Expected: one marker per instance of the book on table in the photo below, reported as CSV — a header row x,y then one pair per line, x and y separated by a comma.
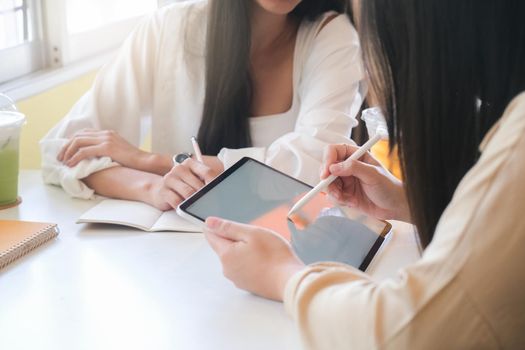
x,y
18,238
138,215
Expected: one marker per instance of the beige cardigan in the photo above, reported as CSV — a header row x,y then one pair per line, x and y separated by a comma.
x,y
468,289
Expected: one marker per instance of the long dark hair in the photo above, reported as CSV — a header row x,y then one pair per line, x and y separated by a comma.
x,y
228,93
444,71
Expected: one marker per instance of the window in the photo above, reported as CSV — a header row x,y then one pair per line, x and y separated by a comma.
x,y
20,44
100,25
15,27
37,34
79,29
83,15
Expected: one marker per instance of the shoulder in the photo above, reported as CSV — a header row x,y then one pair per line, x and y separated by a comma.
x,y
171,26
502,152
330,40
179,13
330,30
504,142
482,231
496,177
182,8
509,128
328,48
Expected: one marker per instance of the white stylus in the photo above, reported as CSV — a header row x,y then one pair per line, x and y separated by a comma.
x,y
196,149
377,129
326,182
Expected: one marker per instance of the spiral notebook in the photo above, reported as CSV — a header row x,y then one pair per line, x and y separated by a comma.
x,y
17,238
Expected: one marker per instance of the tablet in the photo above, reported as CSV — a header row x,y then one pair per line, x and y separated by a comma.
x,y
253,193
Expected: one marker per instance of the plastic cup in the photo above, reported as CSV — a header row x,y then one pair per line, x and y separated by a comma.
x,y
10,127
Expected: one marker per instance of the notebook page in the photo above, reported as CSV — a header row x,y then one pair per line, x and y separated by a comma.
x,y
171,221
121,212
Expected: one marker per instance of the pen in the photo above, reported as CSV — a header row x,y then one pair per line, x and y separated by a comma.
x,y
326,182
196,149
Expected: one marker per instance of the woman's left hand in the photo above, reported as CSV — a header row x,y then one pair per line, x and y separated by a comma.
x,y
91,143
254,259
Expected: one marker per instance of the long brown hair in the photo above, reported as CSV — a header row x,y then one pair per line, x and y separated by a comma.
x,y
228,92
444,71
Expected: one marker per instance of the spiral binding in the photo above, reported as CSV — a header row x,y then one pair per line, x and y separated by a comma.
x,y
25,246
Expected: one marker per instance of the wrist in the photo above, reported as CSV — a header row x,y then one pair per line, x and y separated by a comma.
x,y
159,164
402,207
147,190
284,274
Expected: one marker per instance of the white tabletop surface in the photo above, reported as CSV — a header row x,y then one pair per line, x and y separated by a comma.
x,y
110,287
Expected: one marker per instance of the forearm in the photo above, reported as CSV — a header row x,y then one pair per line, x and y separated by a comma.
x,y
155,163
122,183
402,207
161,164
317,297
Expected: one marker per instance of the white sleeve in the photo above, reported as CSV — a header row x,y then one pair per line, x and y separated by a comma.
x,y
330,96
120,96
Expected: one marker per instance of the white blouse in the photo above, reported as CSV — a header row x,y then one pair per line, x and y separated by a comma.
x,y
157,78
468,289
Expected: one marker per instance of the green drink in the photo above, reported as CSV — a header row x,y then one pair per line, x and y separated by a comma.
x,y
10,124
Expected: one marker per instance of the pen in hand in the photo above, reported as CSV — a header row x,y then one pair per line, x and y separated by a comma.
x,y
196,149
377,129
321,186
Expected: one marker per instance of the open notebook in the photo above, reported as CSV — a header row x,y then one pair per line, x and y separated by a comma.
x,y
136,214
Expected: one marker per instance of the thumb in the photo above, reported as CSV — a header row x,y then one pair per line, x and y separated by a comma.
x,y
218,244
227,229
364,172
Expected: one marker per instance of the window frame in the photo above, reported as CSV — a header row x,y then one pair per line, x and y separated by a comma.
x,y
64,49
54,49
25,58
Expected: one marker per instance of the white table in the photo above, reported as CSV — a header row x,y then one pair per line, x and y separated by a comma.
x,y
109,287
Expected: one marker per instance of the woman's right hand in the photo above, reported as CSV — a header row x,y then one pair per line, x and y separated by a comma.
x,y
364,184
179,183
157,195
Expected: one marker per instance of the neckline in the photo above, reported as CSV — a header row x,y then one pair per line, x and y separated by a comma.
x,y
294,79
298,39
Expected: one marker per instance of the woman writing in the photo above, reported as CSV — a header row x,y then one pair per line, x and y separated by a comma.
x,y
275,80
450,77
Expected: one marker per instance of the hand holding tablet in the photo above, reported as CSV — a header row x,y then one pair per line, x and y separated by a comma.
x,y
252,193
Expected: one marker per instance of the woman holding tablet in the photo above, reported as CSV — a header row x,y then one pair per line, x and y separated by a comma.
x,y
271,79
450,77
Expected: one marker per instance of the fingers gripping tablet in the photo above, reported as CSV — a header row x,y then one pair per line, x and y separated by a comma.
x,y
253,193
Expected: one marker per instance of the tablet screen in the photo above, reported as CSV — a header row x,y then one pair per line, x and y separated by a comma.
x,y
254,193
247,194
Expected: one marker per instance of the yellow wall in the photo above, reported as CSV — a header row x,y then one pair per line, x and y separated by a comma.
x,y
43,112
389,160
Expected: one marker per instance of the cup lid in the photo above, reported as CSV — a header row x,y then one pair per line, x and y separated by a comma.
x,y
7,104
10,119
